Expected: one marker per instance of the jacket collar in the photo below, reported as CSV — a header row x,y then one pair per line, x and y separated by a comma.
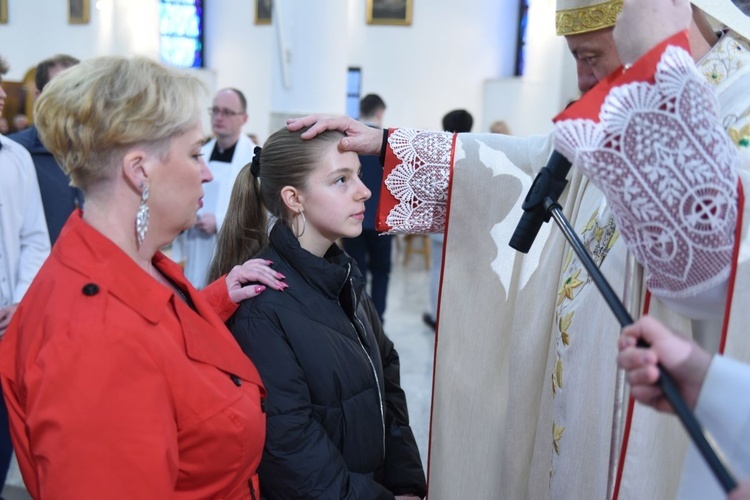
x,y
328,275
84,249
89,252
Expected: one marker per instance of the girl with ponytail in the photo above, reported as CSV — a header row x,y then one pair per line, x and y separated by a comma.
x,y
337,420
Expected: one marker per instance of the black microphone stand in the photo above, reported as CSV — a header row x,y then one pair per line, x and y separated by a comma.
x,y
680,407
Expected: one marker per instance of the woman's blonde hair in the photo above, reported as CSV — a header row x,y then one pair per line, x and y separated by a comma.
x,y
90,114
286,160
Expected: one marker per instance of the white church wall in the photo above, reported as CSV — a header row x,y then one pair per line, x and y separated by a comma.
x,y
38,29
240,53
529,103
440,62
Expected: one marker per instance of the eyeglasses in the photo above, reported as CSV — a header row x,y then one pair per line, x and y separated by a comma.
x,y
223,112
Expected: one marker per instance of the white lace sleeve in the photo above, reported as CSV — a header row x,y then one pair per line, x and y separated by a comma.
x,y
666,165
419,181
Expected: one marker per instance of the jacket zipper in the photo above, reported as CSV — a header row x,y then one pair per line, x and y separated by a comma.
x,y
377,381
372,365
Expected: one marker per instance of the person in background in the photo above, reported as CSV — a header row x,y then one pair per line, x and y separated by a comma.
x,y
337,419
24,244
500,127
121,379
226,154
370,249
456,121
20,122
60,199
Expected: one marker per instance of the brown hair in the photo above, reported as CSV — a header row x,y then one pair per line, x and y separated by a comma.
x,y
41,76
286,160
500,127
243,233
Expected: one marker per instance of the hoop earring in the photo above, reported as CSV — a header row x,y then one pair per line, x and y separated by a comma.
x,y
141,217
304,224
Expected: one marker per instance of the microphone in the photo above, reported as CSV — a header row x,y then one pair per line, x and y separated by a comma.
x,y
549,183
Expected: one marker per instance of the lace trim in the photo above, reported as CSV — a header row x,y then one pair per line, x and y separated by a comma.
x,y
420,181
663,161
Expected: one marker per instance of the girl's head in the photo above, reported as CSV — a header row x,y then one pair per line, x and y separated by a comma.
x,y
309,185
313,187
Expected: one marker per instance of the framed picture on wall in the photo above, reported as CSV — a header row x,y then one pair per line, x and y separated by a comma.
x,y
393,12
3,11
78,11
263,11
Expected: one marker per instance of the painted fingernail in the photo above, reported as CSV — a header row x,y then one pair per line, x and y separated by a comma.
x,y
259,288
280,276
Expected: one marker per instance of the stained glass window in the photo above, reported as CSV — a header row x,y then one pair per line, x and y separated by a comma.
x,y
181,32
523,24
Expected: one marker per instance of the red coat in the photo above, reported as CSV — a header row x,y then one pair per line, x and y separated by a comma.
x,y
117,389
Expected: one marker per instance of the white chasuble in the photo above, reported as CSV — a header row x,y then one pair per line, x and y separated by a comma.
x,y
526,347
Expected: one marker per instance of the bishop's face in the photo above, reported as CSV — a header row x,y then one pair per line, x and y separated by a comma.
x,y
596,56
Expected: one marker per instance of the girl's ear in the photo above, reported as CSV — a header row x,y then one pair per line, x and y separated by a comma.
x,y
292,198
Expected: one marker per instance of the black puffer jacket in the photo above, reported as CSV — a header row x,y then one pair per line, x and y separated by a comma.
x,y
337,423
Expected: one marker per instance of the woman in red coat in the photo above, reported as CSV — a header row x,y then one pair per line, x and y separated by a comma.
x,y
121,379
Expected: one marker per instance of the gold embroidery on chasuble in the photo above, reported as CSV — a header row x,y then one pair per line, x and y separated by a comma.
x,y
598,238
741,137
724,59
730,55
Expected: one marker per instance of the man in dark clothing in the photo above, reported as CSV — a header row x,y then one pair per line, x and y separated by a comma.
x,y
371,250
58,196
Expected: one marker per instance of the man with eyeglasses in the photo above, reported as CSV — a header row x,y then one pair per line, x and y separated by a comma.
x,y
226,154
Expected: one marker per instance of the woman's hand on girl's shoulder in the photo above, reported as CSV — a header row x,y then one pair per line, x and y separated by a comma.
x,y
253,271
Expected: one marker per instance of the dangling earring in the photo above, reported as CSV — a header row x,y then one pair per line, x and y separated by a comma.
x,y
141,217
304,224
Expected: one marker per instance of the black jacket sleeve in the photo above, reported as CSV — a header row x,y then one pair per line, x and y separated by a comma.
x,y
403,473
299,460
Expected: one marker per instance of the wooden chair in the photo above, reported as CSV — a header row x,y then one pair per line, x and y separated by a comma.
x,y
422,248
